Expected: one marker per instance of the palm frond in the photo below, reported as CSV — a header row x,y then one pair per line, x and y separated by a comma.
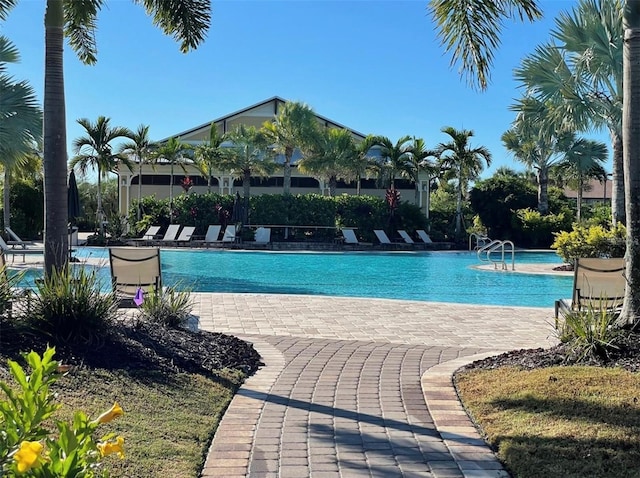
x,y
80,21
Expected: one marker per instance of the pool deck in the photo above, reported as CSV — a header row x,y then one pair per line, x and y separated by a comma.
x,y
356,387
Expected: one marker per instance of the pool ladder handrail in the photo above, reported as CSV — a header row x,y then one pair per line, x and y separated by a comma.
x,y
480,239
492,247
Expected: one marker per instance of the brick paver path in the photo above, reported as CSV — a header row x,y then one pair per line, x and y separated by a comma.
x,y
358,387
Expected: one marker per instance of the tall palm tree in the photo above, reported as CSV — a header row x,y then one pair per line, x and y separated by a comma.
x,y
248,156
94,150
21,124
186,21
539,140
293,128
362,161
329,156
141,148
580,70
394,158
583,161
464,163
173,152
419,162
208,155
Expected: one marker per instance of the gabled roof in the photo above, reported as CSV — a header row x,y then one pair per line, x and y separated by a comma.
x,y
262,113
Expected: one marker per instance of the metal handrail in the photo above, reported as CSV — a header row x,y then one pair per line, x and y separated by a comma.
x,y
481,241
494,246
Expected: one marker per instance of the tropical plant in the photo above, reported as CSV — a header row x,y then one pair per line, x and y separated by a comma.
x,y
419,162
582,162
169,307
589,333
174,152
248,156
95,151
185,21
590,241
580,69
293,128
28,448
141,148
393,160
362,161
208,154
328,156
21,125
463,163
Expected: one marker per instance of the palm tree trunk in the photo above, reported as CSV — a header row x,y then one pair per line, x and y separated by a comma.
x,y
139,215
56,240
171,195
631,154
579,198
99,214
543,188
286,177
246,189
458,230
358,185
6,197
333,186
617,193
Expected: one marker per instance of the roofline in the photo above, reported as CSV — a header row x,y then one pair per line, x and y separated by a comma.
x,y
277,99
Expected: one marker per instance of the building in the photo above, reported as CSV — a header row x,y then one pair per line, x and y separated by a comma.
x,y
594,192
155,179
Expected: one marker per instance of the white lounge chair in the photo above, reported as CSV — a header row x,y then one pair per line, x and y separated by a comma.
x,y
382,237
349,236
598,283
149,235
134,269
263,235
14,239
171,233
229,234
424,236
406,237
185,234
213,232
23,251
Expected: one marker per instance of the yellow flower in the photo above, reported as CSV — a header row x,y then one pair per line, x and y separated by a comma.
x,y
108,447
115,412
29,455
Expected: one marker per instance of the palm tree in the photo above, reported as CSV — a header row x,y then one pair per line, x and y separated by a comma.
x,y
186,21
249,156
292,129
362,161
141,148
173,152
21,125
581,72
419,162
95,151
583,161
394,158
208,154
329,156
464,163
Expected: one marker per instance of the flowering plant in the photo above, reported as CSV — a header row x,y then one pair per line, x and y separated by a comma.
x,y
27,449
187,184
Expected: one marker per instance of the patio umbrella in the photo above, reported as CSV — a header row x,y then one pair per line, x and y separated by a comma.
x,y
73,198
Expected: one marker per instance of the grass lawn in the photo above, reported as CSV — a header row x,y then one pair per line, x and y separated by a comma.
x,y
569,422
169,419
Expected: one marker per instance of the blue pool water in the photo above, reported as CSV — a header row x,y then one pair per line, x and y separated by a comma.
x,y
424,276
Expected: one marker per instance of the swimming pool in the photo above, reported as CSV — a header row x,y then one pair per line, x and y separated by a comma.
x,y
423,276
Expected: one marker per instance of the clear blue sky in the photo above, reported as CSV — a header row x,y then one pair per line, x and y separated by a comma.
x,y
374,66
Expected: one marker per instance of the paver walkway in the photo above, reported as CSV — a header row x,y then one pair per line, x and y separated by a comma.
x,y
358,387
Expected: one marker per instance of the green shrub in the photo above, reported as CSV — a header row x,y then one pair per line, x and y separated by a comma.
x,y
590,241
27,448
169,307
69,307
590,332
536,230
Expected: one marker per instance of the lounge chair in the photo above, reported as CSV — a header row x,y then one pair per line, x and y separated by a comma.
x,y
405,237
14,239
213,232
597,283
349,236
149,235
185,234
382,237
171,233
263,235
134,269
229,234
4,247
424,236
